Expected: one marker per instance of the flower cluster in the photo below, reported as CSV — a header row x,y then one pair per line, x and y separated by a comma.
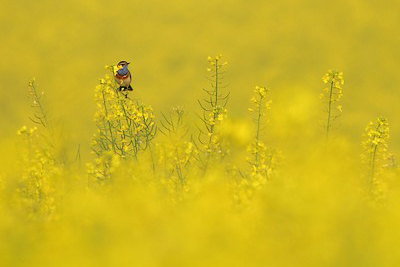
x,y
175,154
259,99
36,186
375,147
215,63
177,162
332,93
40,114
217,115
260,163
262,158
214,145
103,167
214,110
124,126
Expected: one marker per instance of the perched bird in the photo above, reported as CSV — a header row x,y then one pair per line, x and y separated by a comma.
x,y
123,76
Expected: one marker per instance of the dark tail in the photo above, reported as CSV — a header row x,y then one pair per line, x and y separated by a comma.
x,y
124,88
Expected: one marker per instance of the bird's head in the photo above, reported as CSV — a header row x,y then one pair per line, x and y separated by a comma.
x,y
122,64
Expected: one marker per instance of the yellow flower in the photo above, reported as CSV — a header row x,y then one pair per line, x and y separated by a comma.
x,y
22,130
115,69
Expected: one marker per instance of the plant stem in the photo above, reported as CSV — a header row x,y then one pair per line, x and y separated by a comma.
x,y
258,134
109,124
328,124
372,174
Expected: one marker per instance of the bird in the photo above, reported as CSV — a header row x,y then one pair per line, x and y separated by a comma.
x,y
123,76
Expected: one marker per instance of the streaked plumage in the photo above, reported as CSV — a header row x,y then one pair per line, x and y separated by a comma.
x,y
123,76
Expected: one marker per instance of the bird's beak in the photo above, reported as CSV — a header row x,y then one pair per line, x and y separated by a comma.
x,y
128,63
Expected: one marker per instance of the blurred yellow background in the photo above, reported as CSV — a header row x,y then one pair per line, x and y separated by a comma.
x,y
285,45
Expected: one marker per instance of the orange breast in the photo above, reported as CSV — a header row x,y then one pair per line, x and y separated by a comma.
x,y
119,77
123,80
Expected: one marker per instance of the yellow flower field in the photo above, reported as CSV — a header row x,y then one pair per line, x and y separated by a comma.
x,y
258,133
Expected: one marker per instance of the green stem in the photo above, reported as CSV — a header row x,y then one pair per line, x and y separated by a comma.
x,y
109,123
215,107
258,134
328,124
372,174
